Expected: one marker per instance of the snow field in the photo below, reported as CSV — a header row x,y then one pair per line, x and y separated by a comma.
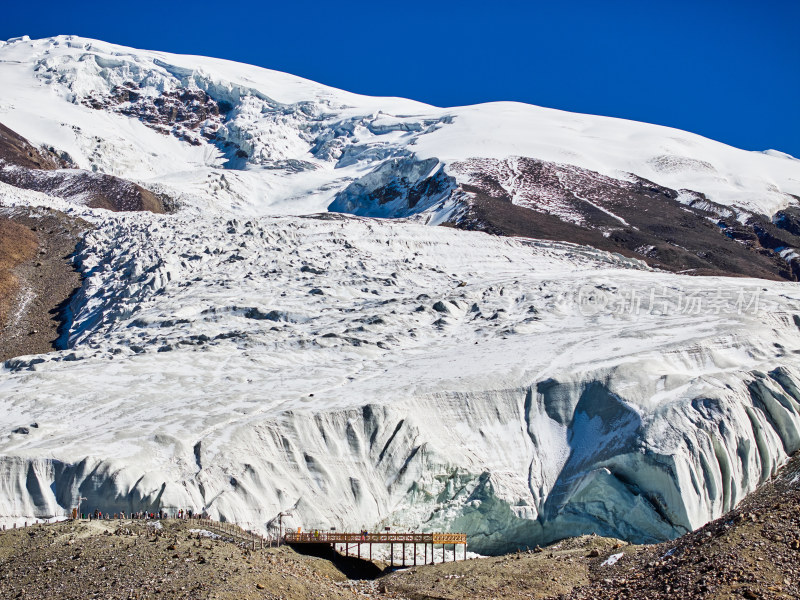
x,y
305,142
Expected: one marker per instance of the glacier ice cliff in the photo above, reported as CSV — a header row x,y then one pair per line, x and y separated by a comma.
x,y
286,364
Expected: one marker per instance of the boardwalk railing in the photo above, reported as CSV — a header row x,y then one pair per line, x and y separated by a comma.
x,y
325,537
356,540
240,536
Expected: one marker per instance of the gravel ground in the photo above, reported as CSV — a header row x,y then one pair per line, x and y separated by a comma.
x,y
537,574
132,560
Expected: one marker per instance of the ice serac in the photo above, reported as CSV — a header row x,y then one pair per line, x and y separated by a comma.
x,y
401,187
273,347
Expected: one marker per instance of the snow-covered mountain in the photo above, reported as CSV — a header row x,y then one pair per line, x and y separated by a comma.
x,y
252,353
224,136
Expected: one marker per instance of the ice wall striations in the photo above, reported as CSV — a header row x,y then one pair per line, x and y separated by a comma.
x,y
289,365
527,477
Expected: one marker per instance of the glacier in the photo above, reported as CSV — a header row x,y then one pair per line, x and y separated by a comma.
x,y
255,354
294,365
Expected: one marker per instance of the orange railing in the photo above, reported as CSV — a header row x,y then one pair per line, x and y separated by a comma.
x,y
332,537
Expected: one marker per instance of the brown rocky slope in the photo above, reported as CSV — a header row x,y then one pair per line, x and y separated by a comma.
x,y
37,277
42,170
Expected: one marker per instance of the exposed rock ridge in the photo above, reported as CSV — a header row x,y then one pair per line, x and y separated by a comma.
x,y
676,230
24,167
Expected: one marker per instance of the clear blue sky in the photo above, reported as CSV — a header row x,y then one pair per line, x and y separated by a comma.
x,y
729,70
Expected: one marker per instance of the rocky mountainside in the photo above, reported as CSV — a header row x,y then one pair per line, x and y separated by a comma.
x,y
298,336
677,230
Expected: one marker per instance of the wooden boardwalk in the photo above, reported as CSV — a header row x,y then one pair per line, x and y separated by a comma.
x,y
354,541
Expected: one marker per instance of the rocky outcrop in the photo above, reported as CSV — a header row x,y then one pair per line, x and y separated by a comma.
x,y
676,230
16,150
24,167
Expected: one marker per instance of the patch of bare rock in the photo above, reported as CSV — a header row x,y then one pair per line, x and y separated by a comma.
x,y
44,170
37,277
